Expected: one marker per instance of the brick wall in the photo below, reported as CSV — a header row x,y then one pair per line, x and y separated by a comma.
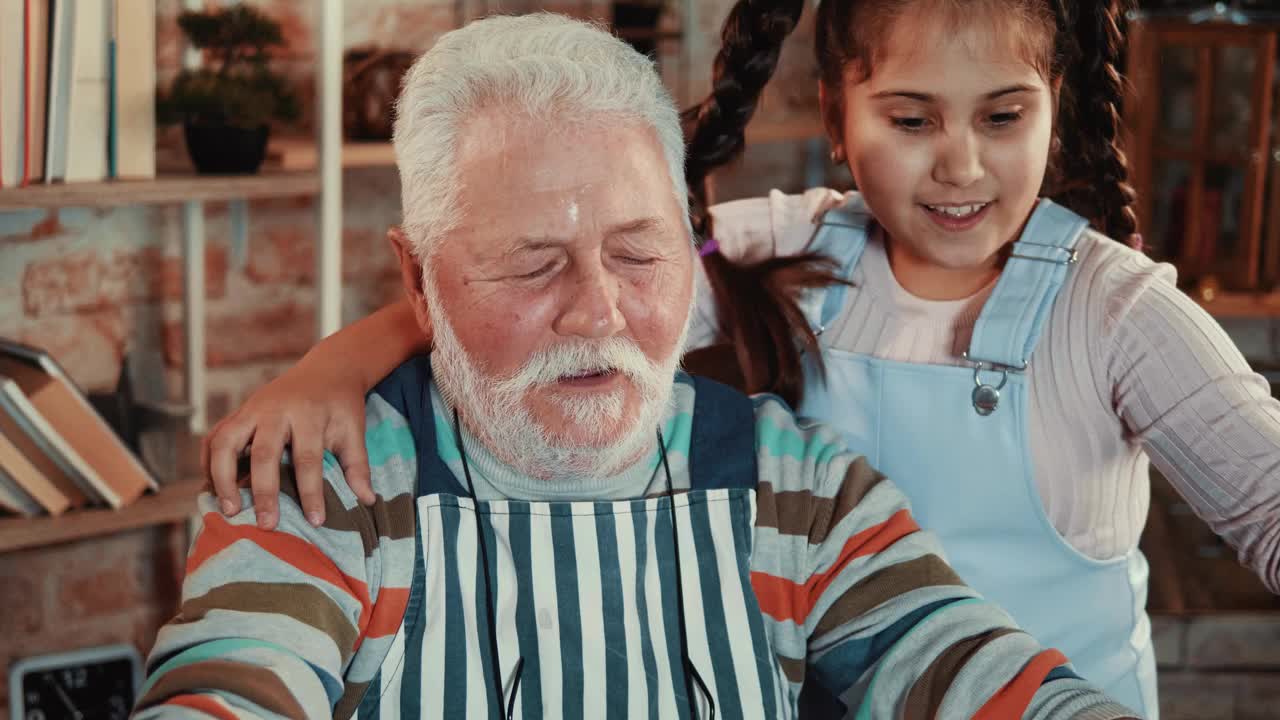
x,y
113,589
90,285
1219,667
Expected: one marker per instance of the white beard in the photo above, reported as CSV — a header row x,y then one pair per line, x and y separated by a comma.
x,y
494,409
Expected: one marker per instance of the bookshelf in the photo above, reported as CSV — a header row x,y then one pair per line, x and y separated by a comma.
x,y
173,503
323,179
164,189
296,154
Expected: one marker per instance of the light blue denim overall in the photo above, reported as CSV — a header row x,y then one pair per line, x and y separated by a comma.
x,y
955,440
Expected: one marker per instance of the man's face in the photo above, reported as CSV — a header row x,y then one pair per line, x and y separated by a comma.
x,y
568,285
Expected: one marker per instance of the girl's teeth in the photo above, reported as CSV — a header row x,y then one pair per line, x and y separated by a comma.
x,y
957,212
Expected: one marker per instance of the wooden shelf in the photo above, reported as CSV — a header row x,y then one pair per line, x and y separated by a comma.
x,y
298,154
162,190
1241,305
172,503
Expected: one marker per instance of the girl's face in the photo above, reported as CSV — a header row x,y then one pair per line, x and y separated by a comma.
x,y
948,140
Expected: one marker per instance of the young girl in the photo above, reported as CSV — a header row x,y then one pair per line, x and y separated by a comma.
x,y
1011,369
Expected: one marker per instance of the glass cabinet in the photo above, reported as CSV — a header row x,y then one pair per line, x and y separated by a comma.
x,y
1200,120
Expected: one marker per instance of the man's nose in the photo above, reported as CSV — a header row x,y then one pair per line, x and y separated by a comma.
x,y
592,311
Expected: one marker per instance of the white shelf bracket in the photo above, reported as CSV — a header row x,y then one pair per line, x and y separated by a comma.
x,y
194,313
329,147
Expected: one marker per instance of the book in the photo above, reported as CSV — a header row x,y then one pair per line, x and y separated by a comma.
x,y
88,104
12,93
37,87
115,473
61,41
134,89
73,474
21,470
113,128
27,430
15,499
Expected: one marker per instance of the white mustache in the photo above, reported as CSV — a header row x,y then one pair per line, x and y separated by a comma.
x,y
613,354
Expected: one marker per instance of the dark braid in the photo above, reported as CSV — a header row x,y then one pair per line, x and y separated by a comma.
x,y
751,42
757,302
1093,167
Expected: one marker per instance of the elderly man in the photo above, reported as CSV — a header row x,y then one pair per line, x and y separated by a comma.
x,y
561,529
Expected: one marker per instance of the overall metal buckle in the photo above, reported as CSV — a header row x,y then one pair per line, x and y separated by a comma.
x,y
986,397
1072,257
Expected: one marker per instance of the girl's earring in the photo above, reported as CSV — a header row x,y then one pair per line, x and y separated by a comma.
x,y
837,155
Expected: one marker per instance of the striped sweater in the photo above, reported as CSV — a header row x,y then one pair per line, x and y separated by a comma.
x,y
296,623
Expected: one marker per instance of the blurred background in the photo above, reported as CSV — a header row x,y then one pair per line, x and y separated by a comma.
x,y
169,291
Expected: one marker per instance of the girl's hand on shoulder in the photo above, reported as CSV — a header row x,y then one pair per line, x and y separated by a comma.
x,y
316,405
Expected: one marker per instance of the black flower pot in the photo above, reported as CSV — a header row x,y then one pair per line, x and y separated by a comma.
x,y
225,149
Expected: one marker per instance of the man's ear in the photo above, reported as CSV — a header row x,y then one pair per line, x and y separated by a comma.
x,y
410,276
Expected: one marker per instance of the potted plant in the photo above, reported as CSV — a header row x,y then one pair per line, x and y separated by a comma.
x,y
226,107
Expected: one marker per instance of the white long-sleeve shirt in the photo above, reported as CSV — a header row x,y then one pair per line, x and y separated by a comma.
x,y
1128,367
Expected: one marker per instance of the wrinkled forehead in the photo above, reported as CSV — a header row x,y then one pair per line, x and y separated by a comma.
x,y
520,176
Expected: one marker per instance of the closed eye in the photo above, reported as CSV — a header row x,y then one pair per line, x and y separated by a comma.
x,y
638,261
1004,119
540,272
910,124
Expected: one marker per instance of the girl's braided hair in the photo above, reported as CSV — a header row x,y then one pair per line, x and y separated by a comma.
x,y
758,300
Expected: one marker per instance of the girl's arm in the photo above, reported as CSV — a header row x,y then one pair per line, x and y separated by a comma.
x,y
1208,422
316,405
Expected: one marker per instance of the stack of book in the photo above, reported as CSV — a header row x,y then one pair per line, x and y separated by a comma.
x,y
56,452
77,90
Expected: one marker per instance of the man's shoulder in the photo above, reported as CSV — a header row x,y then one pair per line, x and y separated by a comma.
x,y
811,482
790,450
795,453
407,385
389,433
391,445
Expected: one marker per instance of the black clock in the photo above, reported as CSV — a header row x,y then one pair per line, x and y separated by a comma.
x,y
90,684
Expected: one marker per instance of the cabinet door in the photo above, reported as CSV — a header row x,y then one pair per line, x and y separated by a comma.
x,y
1271,221
1200,121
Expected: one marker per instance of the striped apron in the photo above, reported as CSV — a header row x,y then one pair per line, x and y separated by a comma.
x,y
585,597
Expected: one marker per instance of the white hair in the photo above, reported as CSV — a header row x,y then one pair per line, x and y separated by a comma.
x,y
541,65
